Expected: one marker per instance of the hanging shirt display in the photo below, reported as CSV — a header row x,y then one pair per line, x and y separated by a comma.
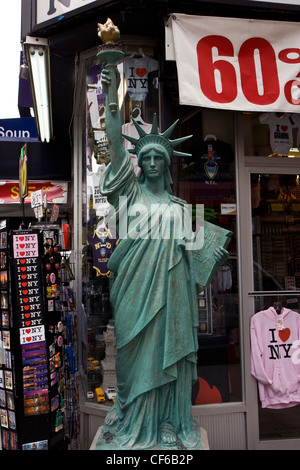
x,y
274,358
210,165
224,278
280,131
103,244
100,202
136,71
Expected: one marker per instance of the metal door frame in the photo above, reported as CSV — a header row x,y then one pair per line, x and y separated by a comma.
x,y
247,165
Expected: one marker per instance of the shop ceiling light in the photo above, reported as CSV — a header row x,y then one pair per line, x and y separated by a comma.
x,y
38,61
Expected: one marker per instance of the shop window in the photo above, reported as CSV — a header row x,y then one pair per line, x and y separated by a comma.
x,y
276,279
271,134
208,178
138,98
276,217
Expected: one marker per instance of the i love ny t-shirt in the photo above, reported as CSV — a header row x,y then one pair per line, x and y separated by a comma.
x,y
281,131
136,71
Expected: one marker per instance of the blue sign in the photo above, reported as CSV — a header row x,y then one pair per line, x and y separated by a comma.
x,y
18,130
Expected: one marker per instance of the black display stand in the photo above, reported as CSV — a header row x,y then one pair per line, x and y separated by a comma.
x,y
33,376
8,419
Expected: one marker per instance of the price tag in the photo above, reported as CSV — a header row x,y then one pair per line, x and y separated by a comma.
x,y
36,198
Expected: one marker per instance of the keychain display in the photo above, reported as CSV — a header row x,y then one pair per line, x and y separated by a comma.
x,y
33,372
8,422
55,325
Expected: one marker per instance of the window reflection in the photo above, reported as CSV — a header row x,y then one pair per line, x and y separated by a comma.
x,y
276,267
208,178
276,231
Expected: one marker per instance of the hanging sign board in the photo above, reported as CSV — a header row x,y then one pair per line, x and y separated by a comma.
x,y
57,192
48,9
18,130
235,63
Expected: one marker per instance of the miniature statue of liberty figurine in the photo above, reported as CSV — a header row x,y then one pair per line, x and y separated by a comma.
x,y
154,292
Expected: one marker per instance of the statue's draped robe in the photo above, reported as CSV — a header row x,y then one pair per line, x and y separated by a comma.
x,y
154,301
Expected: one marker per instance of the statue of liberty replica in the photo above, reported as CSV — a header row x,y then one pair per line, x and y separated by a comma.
x,y
154,288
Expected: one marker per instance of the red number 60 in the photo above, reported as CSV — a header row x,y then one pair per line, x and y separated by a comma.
x,y
218,80
207,69
269,74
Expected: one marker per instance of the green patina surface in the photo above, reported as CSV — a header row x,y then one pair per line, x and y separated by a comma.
x,y
153,295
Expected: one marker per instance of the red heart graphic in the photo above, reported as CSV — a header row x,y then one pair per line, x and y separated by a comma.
x,y
284,334
23,261
27,323
22,253
140,72
23,269
28,339
22,245
27,315
26,307
24,284
25,300
284,128
25,292
24,276
27,331
21,238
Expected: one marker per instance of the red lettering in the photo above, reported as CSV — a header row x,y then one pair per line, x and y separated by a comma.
x,y
283,55
291,88
217,77
270,88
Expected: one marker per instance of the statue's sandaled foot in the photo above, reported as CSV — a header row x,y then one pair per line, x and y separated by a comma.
x,y
168,434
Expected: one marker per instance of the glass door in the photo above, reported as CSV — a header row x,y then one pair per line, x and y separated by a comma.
x,y
275,216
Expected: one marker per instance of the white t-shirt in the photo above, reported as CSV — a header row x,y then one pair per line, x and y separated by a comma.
x,y
281,131
93,180
136,71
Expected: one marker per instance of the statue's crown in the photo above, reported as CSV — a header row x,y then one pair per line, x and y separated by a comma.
x,y
154,137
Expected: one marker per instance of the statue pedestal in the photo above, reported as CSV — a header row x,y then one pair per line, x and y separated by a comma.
x,y
204,441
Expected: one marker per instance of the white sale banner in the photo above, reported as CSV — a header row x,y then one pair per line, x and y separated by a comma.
x,y
234,63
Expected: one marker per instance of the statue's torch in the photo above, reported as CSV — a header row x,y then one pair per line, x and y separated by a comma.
x,y
110,55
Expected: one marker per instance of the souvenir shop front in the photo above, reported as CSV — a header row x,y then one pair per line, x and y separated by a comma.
x,y
229,74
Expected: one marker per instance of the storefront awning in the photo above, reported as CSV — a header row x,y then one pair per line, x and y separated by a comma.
x,y
234,63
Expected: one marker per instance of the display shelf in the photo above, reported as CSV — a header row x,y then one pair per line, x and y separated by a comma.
x,y
39,371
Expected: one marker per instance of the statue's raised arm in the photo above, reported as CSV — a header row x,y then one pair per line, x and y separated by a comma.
x,y
110,80
109,55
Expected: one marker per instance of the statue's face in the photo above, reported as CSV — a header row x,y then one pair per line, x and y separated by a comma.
x,y
153,165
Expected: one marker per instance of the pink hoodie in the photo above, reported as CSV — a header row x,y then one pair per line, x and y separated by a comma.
x,y
275,357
